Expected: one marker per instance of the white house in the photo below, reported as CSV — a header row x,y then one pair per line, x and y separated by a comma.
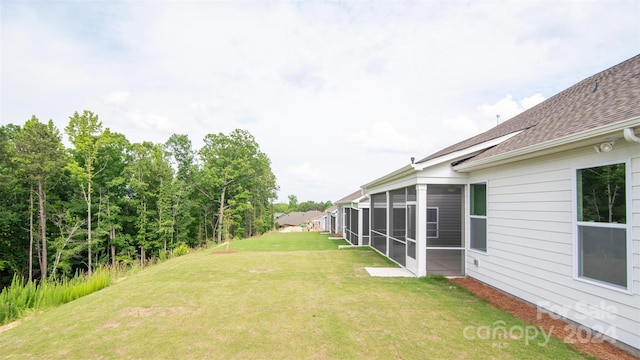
x,y
353,218
300,221
545,206
328,220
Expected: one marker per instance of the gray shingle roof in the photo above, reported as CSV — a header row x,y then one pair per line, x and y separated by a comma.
x,y
350,198
296,218
608,97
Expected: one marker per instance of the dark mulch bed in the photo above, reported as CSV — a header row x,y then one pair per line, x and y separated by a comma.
x,y
560,329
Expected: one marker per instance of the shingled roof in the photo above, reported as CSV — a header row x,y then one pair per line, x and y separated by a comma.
x,y
350,198
605,98
297,218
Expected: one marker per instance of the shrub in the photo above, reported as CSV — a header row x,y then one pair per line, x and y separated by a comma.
x,y
182,249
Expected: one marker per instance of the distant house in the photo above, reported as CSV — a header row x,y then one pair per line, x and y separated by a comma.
x,y
545,206
353,218
329,221
300,221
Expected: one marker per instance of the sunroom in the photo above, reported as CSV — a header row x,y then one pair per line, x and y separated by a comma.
x,y
353,214
421,227
418,212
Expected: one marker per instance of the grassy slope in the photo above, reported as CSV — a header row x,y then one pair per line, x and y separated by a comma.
x,y
290,296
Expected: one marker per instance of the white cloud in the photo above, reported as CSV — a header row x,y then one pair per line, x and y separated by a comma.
x,y
150,121
116,98
462,125
507,107
532,101
349,88
307,173
383,137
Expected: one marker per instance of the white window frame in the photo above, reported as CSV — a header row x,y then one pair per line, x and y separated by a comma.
x,y
628,226
485,217
437,222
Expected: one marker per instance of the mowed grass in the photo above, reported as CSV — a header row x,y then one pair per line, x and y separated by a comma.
x,y
281,296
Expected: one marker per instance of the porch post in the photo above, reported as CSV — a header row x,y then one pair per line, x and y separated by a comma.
x,y
421,229
360,229
389,226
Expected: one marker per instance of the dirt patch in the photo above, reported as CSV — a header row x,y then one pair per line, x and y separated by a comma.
x,y
566,332
9,326
147,311
225,252
260,271
13,324
111,325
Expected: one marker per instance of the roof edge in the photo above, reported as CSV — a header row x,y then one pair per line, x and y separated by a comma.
x,y
466,152
527,152
403,171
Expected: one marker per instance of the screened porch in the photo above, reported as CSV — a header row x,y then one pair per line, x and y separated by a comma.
x,y
421,226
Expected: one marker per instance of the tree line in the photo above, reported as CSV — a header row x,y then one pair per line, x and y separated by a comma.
x,y
106,201
295,205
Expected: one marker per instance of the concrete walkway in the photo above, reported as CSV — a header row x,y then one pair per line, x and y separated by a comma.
x,y
389,272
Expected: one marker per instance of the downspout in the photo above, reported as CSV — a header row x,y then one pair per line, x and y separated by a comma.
x,y
630,135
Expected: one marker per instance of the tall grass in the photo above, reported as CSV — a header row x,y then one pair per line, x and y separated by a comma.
x,y
24,297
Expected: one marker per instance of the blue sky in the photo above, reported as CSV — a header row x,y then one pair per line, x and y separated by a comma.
x,y
336,93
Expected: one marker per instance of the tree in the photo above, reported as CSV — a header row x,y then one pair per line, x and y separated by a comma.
x,y
232,167
14,195
41,155
150,180
181,157
293,202
68,226
111,186
86,134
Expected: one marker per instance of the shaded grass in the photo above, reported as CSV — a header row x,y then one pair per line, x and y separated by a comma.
x,y
305,302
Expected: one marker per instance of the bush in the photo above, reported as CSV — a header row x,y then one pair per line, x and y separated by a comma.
x,y
182,249
163,255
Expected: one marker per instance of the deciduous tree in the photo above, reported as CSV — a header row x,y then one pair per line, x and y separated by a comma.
x,y
40,154
87,135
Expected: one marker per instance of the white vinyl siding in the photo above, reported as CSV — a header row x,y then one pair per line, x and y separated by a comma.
x,y
532,238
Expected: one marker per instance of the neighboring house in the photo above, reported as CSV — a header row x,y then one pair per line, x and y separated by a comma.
x,y
300,221
353,218
329,220
545,206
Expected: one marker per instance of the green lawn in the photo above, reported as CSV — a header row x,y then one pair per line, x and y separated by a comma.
x,y
281,296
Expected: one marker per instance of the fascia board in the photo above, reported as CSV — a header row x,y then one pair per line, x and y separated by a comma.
x,y
413,168
549,147
470,151
400,173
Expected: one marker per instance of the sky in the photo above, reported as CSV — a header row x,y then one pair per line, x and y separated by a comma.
x,y
336,93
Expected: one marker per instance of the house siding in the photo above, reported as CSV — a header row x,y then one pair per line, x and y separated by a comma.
x,y
635,194
530,241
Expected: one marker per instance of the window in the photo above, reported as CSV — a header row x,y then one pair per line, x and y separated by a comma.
x,y
411,221
478,218
432,222
379,222
602,224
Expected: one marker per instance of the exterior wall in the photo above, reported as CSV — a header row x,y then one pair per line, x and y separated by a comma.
x,y
531,246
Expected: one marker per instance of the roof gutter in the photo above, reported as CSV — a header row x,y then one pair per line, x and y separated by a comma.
x,y
545,147
630,135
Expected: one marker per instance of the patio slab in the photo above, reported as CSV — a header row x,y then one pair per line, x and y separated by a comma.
x,y
389,272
